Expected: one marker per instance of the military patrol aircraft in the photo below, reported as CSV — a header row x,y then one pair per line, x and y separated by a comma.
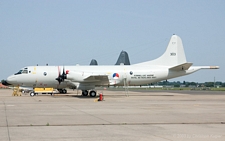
x,y
170,65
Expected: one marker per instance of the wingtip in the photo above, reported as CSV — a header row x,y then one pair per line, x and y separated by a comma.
x,y
214,67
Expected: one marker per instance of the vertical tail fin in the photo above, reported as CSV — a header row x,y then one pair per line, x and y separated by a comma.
x,y
93,62
174,54
123,58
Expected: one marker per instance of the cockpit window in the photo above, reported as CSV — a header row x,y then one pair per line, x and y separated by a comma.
x,y
25,71
19,72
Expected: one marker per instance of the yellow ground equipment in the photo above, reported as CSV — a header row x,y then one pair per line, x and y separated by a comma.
x,y
42,90
16,91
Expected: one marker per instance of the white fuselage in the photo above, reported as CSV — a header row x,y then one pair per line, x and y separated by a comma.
x,y
172,63
45,76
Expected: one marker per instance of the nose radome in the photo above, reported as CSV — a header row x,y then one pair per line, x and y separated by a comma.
x,y
4,82
11,79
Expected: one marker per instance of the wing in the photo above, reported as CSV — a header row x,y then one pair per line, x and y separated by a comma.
x,y
87,78
103,79
181,67
89,82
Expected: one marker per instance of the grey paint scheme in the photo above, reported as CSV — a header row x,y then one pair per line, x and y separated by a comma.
x,y
123,58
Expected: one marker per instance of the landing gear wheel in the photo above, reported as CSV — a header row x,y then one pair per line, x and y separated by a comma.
x,y
32,94
64,91
60,90
92,93
85,93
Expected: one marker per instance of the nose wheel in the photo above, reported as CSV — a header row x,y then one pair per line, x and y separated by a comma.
x,y
32,94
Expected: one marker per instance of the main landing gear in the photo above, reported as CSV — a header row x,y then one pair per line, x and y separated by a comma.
x,y
62,91
92,93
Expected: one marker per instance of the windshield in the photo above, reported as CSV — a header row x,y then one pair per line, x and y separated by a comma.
x,y
23,71
19,72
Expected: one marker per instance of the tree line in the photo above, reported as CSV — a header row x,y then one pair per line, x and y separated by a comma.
x,y
191,84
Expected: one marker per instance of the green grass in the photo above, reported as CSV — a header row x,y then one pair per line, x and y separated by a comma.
x,y
218,89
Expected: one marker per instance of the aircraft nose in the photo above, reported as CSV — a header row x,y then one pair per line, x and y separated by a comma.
x,y
4,82
10,80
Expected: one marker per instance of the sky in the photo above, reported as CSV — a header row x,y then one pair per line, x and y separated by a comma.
x,y
73,32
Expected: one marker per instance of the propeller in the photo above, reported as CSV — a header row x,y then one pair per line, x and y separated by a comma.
x,y
62,76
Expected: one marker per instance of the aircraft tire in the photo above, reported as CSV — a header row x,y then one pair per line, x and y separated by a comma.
x,y
32,94
60,91
64,91
92,93
85,93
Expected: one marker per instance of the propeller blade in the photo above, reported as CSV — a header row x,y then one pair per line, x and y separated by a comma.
x,y
62,76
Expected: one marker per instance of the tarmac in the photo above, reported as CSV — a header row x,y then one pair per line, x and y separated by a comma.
x,y
136,116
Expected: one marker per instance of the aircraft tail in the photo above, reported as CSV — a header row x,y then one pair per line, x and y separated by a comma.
x,y
93,62
173,56
123,58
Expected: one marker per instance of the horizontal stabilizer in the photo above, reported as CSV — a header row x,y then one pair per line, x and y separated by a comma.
x,y
207,67
181,67
214,67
